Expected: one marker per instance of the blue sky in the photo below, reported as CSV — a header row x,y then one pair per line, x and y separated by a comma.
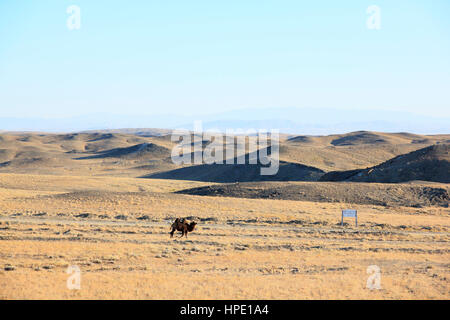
x,y
182,57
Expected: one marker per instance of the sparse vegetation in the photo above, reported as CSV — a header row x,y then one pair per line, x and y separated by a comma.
x,y
62,203
243,248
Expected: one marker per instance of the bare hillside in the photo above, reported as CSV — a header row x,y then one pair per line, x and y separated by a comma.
x,y
409,195
428,164
241,172
144,152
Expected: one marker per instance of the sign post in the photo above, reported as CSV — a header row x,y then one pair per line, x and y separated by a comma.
x,y
349,214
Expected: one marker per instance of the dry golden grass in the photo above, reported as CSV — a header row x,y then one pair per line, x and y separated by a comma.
x,y
83,153
242,249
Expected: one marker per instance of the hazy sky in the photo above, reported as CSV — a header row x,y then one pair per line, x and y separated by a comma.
x,y
179,56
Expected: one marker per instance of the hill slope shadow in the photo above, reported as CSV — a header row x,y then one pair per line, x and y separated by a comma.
x,y
240,173
427,164
287,171
140,150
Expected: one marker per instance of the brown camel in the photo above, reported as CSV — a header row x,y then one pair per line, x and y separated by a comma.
x,y
183,226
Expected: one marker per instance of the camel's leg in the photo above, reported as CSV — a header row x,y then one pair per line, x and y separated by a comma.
x,y
171,232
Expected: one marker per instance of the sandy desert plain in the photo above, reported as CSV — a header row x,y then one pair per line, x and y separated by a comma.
x,y
104,201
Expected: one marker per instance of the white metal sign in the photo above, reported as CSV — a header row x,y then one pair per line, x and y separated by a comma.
x,y
349,214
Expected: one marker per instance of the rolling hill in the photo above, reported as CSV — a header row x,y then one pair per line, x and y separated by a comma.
x,y
146,153
240,173
427,164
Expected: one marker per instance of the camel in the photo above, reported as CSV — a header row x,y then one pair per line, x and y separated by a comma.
x,y
183,226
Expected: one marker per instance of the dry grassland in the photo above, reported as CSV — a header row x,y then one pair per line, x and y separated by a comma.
x,y
116,231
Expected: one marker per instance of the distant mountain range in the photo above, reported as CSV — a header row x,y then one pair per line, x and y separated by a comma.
x,y
312,121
